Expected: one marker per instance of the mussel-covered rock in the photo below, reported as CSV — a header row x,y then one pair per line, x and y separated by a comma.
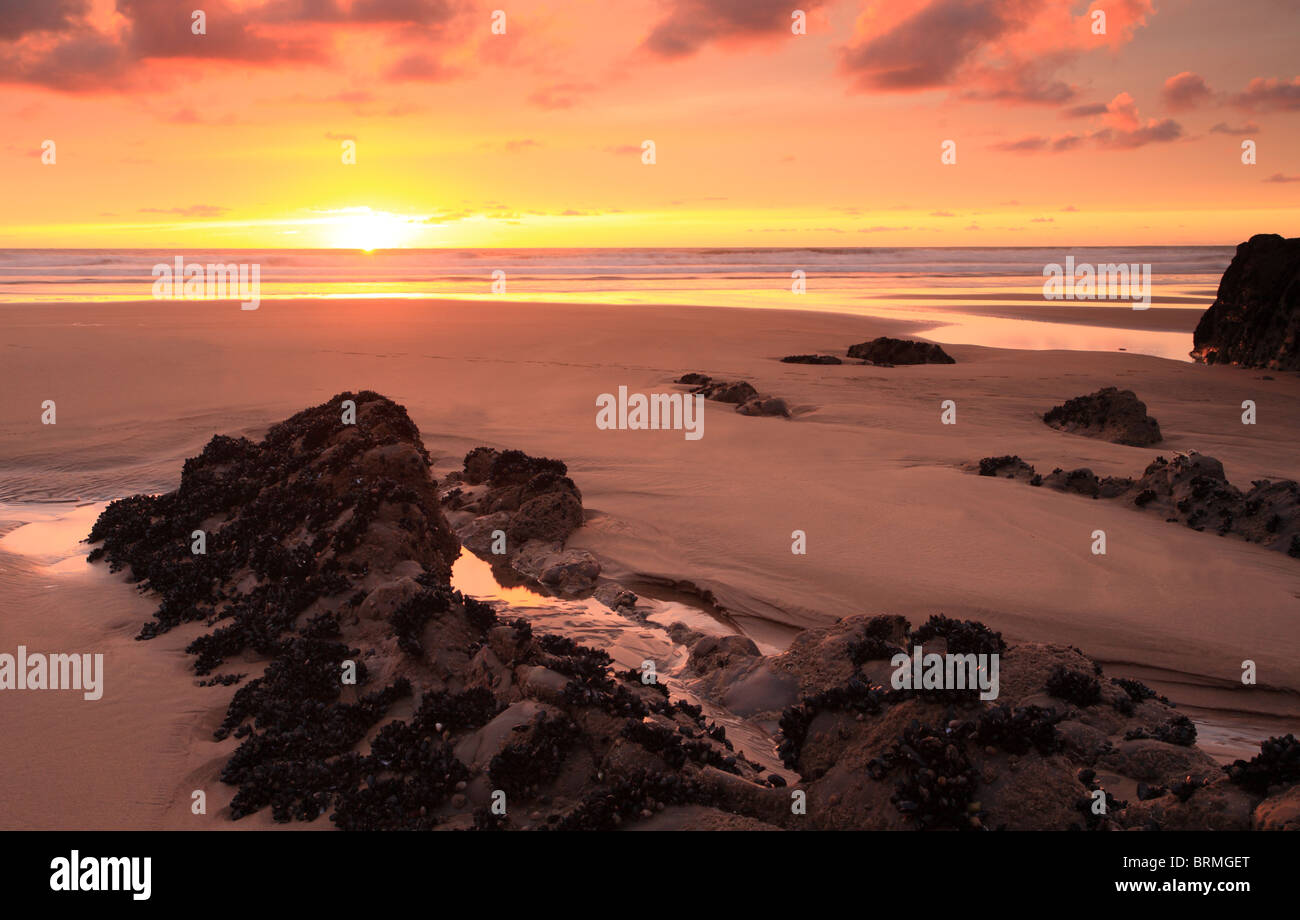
x,y
887,351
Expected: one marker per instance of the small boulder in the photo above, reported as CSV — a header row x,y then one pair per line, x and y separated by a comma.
x,y
765,405
811,359
1110,414
885,350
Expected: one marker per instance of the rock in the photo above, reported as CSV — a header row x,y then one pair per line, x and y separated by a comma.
x,y
1110,414
1190,489
712,652
386,598
764,405
478,464
748,401
542,683
567,571
720,391
1082,481
615,596
572,571
885,350
1159,762
1280,812
811,359
552,516
1255,319
513,722
478,533
1219,806
334,558
1010,467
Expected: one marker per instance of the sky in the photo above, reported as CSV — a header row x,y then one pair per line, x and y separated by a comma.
x,y
127,123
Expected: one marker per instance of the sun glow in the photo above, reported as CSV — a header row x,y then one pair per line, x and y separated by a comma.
x,y
369,230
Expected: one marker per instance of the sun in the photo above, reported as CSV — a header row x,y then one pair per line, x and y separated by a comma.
x,y
369,230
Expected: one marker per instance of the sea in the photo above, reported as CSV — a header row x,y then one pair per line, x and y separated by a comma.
x,y
992,296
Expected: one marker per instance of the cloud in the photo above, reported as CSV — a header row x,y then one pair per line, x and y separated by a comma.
x,y
1123,130
688,25
1278,177
188,116
1153,132
559,95
1122,113
20,17
194,210
624,149
158,32
1185,91
394,12
1270,95
1084,111
925,50
422,67
53,43
1007,50
1034,143
1224,128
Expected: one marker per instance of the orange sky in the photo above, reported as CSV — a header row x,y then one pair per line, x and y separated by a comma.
x,y
164,138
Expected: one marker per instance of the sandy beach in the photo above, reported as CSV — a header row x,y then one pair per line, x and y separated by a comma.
x,y
895,522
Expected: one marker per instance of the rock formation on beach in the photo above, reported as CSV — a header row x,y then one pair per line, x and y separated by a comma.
x,y
887,352
748,401
1059,737
1190,488
1255,319
328,556
385,699
1110,414
811,359
520,510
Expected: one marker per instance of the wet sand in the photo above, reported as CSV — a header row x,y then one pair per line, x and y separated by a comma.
x,y
894,525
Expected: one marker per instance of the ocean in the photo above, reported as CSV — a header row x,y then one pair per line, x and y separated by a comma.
x,y
963,295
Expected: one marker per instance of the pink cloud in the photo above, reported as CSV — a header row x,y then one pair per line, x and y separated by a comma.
x,y
1185,91
1270,95
991,49
688,25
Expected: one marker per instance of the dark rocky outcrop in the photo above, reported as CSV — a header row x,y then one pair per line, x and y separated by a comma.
x,y
1010,467
747,400
887,351
1190,488
1255,319
811,359
328,556
1110,414
533,504
1059,736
